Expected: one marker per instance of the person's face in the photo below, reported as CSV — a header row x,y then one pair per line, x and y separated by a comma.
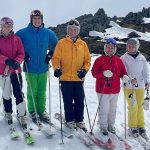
x,y
110,49
73,32
37,21
131,48
6,28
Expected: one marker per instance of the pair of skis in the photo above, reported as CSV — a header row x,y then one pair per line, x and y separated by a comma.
x,y
143,141
87,138
14,134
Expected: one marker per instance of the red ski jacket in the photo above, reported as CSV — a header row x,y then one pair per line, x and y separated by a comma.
x,y
10,47
111,85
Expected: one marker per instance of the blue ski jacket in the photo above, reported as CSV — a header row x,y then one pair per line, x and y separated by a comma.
x,y
36,42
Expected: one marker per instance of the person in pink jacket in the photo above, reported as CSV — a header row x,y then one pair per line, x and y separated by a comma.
x,y
108,69
11,56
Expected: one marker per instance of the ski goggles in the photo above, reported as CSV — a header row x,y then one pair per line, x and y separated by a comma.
x,y
74,22
36,13
6,20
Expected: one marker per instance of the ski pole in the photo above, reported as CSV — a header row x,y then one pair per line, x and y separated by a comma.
x,y
33,100
60,111
99,104
87,109
22,93
49,95
4,77
125,106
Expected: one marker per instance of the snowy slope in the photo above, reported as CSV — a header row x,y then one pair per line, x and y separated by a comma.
x,y
119,32
74,144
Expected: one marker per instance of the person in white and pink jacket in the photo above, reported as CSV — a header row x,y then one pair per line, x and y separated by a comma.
x,y
11,56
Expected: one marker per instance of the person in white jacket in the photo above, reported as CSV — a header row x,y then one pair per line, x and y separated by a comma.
x,y
137,69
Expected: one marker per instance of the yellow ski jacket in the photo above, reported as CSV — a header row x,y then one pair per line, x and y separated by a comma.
x,y
71,57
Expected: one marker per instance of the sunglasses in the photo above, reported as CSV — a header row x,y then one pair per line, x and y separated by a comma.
x,y
74,22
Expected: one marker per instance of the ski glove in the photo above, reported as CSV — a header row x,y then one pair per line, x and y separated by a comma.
x,y
57,73
48,57
27,57
125,79
81,73
12,63
107,73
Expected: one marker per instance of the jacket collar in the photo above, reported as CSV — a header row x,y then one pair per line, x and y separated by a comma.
x,y
34,28
70,40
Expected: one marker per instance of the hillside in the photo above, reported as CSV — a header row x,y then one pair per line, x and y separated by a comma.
x,y
139,22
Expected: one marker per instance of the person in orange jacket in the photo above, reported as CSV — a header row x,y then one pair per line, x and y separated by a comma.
x,y
71,61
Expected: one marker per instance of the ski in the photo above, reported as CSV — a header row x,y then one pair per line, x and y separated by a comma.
x,y
87,138
28,137
46,131
125,143
66,134
144,142
105,145
122,141
76,132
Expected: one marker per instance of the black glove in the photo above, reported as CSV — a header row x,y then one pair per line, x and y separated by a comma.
x,y
12,63
57,73
27,57
48,57
81,73
9,62
16,65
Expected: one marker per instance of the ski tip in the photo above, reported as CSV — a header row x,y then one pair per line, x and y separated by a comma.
x,y
127,146
109,144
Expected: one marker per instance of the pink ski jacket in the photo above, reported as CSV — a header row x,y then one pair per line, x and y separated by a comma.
x,y
10,47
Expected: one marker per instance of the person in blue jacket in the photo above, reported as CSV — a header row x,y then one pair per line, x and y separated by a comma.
x,y
37,40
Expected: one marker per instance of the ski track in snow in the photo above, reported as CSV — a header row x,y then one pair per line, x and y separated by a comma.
x,y
42,143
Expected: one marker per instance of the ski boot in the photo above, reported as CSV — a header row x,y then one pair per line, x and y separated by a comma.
x,y
133,132
143,134
23,121
104,131
112,129
35,118
81,125
71,125
45,117
8,118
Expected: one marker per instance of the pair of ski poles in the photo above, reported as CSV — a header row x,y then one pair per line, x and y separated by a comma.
x,y
91,125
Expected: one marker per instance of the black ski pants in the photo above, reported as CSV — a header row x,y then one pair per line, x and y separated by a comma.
x,y
73,97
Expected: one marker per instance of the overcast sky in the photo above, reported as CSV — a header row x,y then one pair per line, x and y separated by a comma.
x,y
60,11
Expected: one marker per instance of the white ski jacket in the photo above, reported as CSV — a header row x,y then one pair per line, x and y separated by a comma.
x,y
137,68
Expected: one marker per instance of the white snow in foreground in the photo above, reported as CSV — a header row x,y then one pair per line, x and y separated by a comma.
x,y
146,20
43,143
118,32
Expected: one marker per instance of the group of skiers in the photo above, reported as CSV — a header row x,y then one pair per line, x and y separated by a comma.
x,y
71,61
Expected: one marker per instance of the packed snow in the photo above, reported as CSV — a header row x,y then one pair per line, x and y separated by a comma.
x,y
119,32
42,143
